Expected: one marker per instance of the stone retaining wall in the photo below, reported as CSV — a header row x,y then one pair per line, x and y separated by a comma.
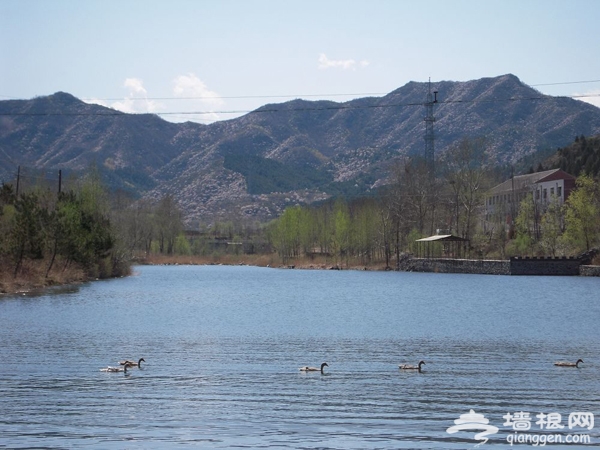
x,y
544,266
477,266
516,266
589,271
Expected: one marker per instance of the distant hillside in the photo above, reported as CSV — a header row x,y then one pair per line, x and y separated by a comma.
x,y
581,157
288,153
62,132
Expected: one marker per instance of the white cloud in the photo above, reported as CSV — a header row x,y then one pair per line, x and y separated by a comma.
x,y
344,64
191,86
592,97
193,100
136,100
133,105
96,101
136,85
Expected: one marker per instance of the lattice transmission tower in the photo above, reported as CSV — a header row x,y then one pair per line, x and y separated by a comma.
x,y
429,135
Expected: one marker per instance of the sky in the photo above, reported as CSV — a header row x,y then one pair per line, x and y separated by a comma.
x,y
210,60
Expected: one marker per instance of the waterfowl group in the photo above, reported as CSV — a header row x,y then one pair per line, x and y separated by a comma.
x,y
313,369
568,364
126,364
409,367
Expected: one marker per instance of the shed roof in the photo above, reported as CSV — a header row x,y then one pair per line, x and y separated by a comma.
x,y
442,238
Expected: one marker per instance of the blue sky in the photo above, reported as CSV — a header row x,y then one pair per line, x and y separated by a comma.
x,y
223,57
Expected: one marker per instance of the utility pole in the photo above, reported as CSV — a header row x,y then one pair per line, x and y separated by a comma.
x,y
18,179
429,146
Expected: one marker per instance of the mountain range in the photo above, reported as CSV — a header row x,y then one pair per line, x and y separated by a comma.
x,y
287,153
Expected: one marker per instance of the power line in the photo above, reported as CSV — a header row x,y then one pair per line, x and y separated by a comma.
x,y
313,95
390,105
237,97
287,95
303,109
565,82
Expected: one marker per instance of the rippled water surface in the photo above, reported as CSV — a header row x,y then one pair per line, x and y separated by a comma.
x,y
223,345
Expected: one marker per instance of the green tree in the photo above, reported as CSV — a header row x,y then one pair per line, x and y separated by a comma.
x,y
96,229
63,229
323,228
582,215
169,224
342,224
285,233
552,227
525,223
182,245
306,230
28,233
365,233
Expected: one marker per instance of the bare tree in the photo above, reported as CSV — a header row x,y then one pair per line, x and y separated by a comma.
x,y
466,170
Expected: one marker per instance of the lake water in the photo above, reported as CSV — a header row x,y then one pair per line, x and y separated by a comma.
x,y
223,346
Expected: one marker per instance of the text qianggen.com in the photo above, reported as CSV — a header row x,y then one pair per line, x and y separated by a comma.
x,y
543,439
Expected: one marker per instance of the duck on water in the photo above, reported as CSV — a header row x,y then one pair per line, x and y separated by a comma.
x,y
568,364
116,369
409,367
133,363
313,369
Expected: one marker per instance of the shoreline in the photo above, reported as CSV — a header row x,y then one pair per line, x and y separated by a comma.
x,y
34,284
31,280
304,263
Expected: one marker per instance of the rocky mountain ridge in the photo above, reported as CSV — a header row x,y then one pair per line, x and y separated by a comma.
x,y
282,154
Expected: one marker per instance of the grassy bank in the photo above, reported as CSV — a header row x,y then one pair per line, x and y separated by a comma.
x,y
33,275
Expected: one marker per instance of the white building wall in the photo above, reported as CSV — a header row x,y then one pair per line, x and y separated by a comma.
x,y
548,189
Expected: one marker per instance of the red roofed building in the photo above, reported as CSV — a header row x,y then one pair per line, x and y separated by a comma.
x,y
502,201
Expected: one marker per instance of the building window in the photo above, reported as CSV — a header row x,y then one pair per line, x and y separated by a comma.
x,y
545,194
537,195
559,191
551,192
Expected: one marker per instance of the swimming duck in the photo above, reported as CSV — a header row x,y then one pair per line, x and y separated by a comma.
x,y
133,363
116,369
568,364
313,369
409,367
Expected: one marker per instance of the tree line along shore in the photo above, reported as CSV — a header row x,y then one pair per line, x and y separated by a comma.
x,y
84,232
